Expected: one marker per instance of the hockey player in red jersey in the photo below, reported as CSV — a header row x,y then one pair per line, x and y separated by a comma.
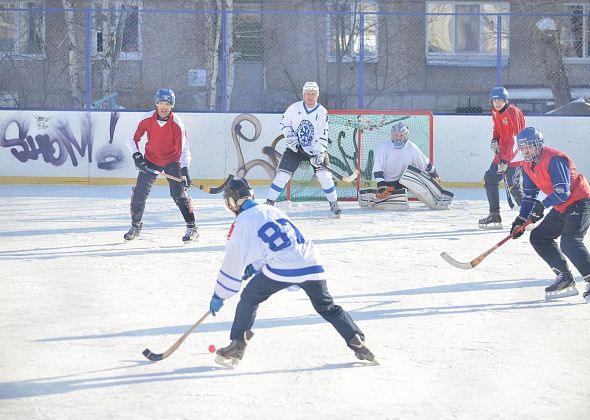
x,y
568,193
166,150
508,121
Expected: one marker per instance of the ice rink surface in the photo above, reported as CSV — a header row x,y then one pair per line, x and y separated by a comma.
x,y
79,305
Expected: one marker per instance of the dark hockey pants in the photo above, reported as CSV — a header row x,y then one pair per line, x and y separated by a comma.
x,y
143,187
571,226
492,181
260,288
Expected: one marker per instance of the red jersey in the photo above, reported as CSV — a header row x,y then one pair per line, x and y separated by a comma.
x,y
166,140
579,187
507,124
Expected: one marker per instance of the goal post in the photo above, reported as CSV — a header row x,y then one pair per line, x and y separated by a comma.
x,y
353,139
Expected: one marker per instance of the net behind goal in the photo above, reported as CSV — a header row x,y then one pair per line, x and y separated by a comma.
x,y
354,137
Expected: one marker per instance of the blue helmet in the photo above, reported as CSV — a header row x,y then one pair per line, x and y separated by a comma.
x,y
499,92
399,135
530,136
165,95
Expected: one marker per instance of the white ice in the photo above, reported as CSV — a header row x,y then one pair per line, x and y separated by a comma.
x,y
78,306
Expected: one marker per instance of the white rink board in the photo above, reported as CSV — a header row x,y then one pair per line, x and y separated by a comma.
x,y
79,144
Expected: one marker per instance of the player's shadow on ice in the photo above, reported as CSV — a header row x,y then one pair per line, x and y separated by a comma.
x,y
364,313
81,381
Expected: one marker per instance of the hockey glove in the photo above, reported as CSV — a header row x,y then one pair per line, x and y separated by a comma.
x,y
215,304
249,272
495,146
383,192
502,166
517,229
186,178
536,213
317,159
139,161
292,142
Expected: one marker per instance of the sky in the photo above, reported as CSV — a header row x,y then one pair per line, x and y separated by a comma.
x,y
79,305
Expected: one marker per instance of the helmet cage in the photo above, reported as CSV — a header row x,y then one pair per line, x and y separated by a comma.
x,y
236,193
527,138
399,135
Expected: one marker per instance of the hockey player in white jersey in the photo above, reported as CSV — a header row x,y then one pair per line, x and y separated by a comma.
x,y
305,127
264,244
400,165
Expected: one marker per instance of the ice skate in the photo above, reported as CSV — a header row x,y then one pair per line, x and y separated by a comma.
x,y
587,290
361,351
492,221
563,286
133,232
335,208
231,355
270,202
191,234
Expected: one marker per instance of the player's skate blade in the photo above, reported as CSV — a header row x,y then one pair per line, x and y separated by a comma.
x,y
227,362
557,294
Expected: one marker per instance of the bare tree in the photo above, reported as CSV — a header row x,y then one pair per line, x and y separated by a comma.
x,y
75,56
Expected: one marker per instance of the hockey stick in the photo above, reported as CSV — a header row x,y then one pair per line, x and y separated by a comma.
x,y
507,188
206,188
480,258
345,178
155,357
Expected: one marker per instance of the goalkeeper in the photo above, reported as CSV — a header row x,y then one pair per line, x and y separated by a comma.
x,y
400,165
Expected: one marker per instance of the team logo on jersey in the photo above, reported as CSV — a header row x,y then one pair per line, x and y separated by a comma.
x,y
231,230
505,121
305,133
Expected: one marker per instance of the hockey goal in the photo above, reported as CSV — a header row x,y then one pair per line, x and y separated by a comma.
x,y
354,137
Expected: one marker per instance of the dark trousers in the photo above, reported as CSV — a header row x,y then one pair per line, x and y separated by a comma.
x,y
571,226
291,160
260,288
492,181
143,187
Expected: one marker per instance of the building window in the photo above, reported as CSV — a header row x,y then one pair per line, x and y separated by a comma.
x,y
117,25
466,33
22,28
344,31
575,32
247,31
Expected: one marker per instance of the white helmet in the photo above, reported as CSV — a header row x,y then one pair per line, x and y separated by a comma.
x,y
311,86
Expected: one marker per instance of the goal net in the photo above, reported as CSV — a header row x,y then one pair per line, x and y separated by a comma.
x,y
354,137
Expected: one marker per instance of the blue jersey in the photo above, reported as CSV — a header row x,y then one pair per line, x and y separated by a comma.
x,y
265,237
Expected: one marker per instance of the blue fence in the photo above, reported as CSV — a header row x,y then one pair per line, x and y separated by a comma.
x,y
444,58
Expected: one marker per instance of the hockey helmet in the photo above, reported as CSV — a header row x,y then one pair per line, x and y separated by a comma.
x,y
499,92
399,135
311,86
236,192
165,95
530,136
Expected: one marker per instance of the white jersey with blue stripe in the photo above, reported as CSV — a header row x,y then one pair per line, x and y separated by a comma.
x,y
265,237
310,126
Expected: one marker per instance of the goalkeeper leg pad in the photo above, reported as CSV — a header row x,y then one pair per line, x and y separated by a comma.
x,y
426,189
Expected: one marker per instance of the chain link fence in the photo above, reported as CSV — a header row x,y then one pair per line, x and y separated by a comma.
x,y
439,56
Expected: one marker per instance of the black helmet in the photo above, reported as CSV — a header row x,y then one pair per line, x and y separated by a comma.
x,y
236,192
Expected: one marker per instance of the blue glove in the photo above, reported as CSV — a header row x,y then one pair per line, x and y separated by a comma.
x,y
249,272
317,159
536,213
139,161
186,178
215,304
